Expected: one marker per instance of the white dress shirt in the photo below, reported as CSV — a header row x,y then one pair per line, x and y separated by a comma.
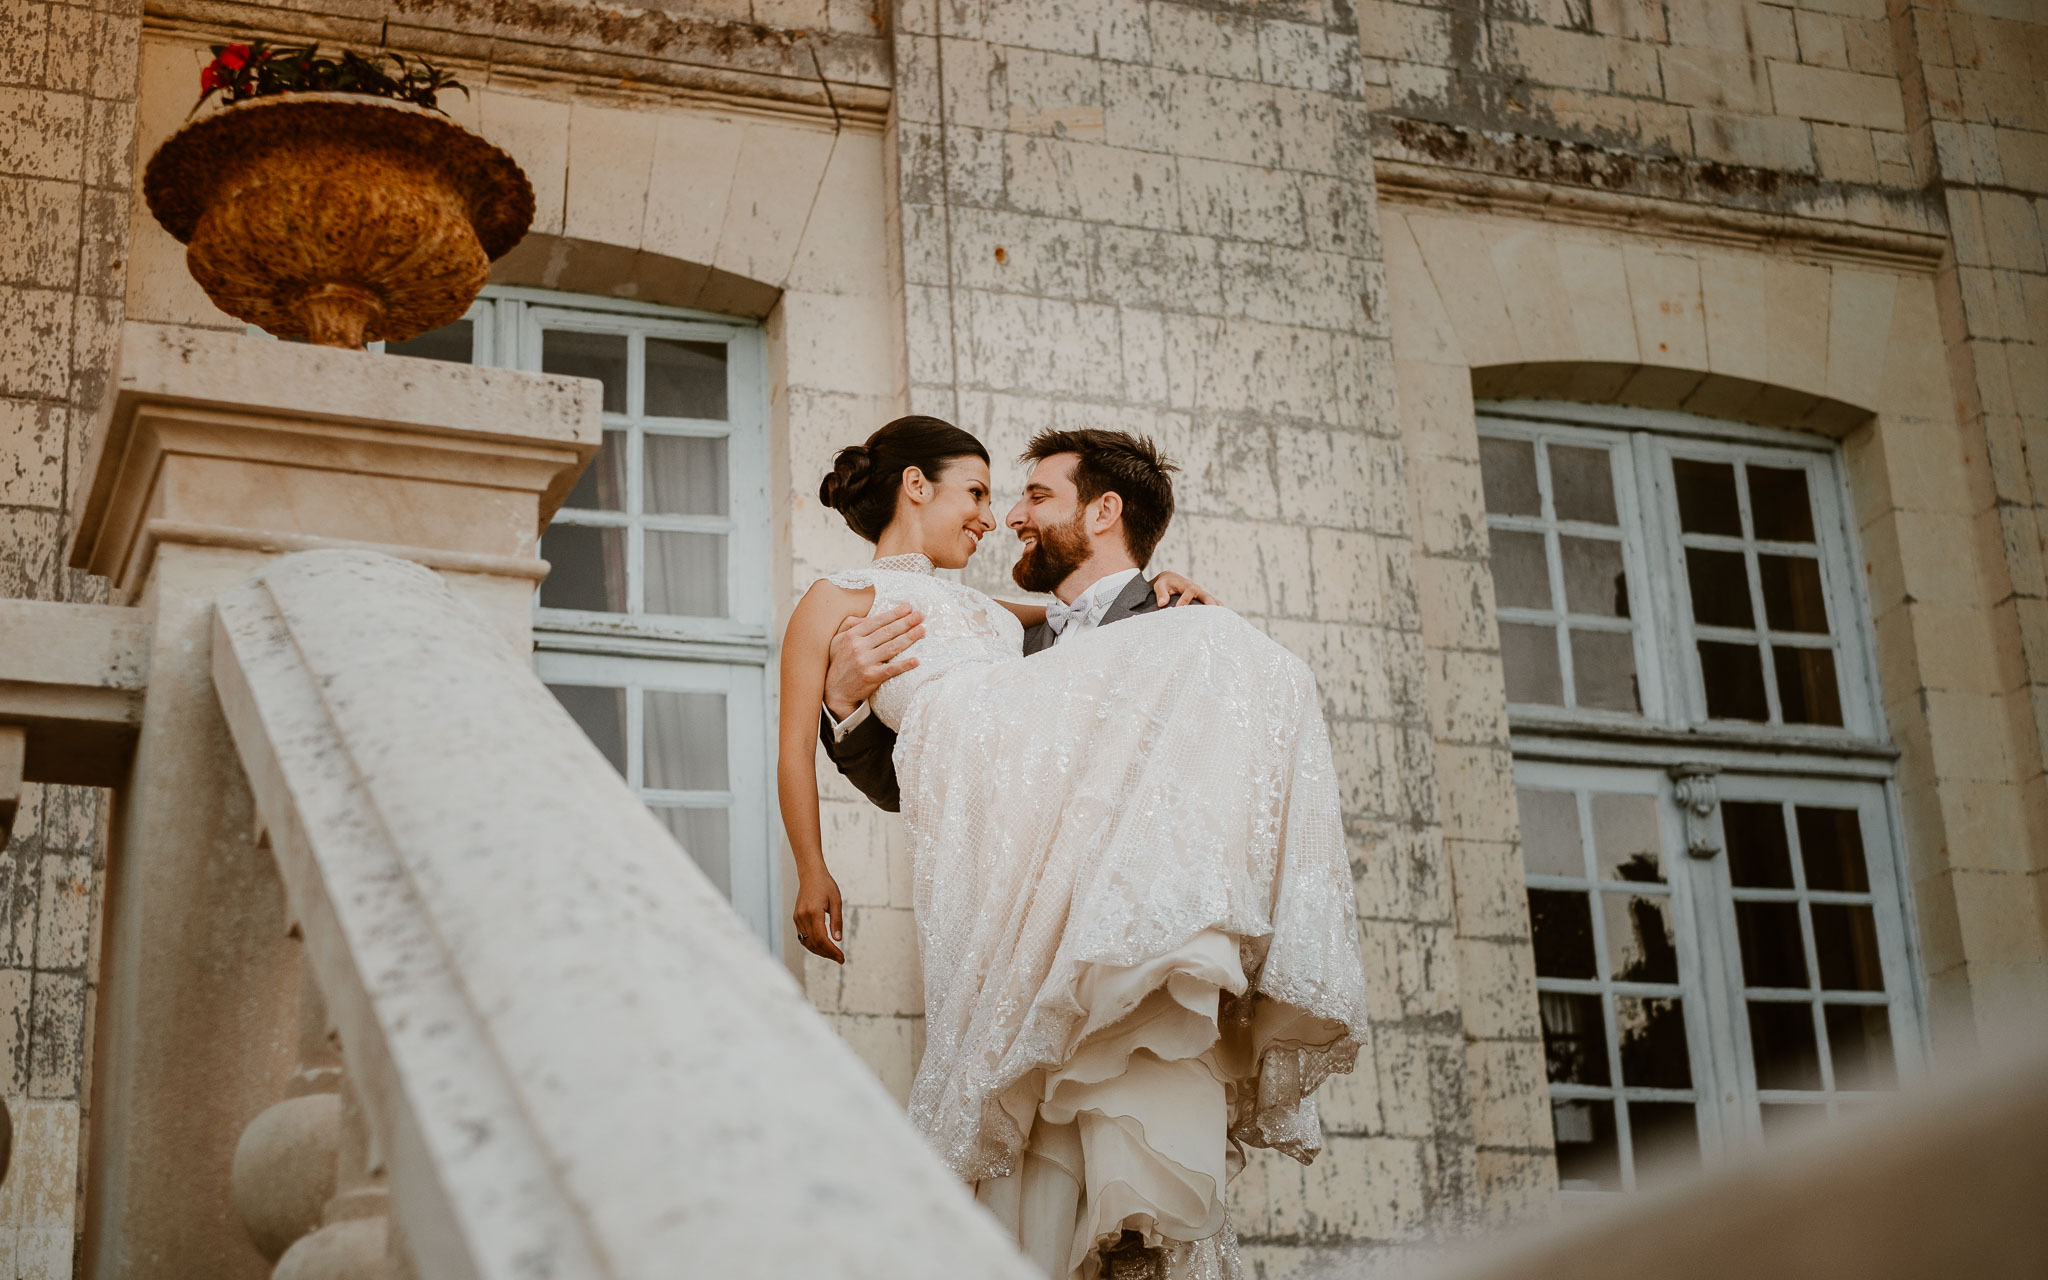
x,y
1088,608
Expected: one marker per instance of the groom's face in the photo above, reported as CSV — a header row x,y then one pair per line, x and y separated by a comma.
x,y
1048,520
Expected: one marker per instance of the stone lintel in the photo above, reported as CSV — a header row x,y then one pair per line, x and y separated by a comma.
x,y
221,440
73,686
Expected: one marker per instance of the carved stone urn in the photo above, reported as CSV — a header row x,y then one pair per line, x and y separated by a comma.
x,y
336,217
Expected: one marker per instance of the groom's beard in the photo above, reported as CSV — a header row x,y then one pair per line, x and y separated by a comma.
x,y
1061,549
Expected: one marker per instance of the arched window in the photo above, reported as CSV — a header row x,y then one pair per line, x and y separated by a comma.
x,y
652,626
1708,828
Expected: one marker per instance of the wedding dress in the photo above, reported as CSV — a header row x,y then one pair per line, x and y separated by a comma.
x,y
1135,914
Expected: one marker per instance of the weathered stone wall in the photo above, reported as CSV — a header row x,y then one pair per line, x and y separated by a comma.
x,y
67,90
1159,217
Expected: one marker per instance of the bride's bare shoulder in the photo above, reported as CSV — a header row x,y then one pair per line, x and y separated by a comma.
x,y
826,605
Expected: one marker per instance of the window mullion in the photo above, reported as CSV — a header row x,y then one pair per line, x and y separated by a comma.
x,y
1553,568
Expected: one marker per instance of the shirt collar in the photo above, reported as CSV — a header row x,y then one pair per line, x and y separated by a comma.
x,y
1103,592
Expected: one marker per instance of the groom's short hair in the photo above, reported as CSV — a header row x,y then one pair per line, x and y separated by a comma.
x,y
1118,462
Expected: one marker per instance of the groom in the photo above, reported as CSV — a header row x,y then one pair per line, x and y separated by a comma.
x,y
1095,506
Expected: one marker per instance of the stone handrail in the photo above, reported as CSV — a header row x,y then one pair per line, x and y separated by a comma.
x,y
570,1056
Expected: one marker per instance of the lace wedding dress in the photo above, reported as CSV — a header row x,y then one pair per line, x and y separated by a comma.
x,y
1134,909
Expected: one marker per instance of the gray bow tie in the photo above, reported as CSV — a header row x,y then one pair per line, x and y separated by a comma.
x,y
1058,615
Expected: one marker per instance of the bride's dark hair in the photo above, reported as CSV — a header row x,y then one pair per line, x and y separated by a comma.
x,y
865,478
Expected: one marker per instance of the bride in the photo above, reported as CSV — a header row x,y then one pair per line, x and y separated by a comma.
x,y
1133,895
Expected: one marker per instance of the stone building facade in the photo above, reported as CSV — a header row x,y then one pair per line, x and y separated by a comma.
x,y
1377,275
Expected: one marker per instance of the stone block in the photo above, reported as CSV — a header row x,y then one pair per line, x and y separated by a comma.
x,y
1821,40
887,1045
1157,269
1839,97
1796,324
64,909
45,219
1459,261
1090,181
1764,142
1186,114
1499,981
692,159
56,1035
881,974
1032,344
1532,283
534,131
1510,1097
42,134
1596,286
1215,42
1422,327
1731,80
1843,153
1514,1186
1360,1189
1486,879
774,188
1860,316
1242,202
1294,54
1114,32
1664,295
32,460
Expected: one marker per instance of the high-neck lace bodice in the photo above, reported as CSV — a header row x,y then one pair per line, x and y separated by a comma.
x,y
961,625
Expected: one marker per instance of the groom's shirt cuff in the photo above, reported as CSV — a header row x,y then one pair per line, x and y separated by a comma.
x,y
840,728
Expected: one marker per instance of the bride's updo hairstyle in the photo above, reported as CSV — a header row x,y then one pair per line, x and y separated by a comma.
x,y
865,478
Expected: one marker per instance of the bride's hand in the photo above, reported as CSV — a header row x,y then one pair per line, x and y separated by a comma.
x,y
1169,584
818,918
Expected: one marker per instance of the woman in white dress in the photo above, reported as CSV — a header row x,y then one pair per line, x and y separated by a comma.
x,y
1133,894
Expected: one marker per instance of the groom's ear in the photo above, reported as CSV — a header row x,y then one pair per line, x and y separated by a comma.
x,y
1109,508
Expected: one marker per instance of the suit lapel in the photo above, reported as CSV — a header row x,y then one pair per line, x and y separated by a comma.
x,y
1134,599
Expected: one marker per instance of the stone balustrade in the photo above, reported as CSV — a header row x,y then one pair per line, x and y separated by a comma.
x,y
572,1056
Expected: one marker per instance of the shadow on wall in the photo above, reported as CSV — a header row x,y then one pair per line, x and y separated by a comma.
x,y
614,271
1649,386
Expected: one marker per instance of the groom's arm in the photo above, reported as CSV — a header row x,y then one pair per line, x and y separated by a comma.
x,y
865,652
866,755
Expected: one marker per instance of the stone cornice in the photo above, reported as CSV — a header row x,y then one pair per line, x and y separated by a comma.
x,y
836,76
1429,164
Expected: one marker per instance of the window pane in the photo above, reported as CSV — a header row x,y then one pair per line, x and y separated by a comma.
x,y
1588,1156
587,568
1845,943
1860,1046
1807,693
1507,469
1773,953
1792,596
602,486
1562,921
1550,833
1640,945
1582,484
588,355
1628,842
1758,856
1781,1045
1664,1138
1604,669
685,379
706,835
683,738
601,714
686,573
1831,850
1528,657
1653,1053
1720,588
1706,497
1574,1038
1521,572
1734,676
454,343
1779,510
686,476
1594,582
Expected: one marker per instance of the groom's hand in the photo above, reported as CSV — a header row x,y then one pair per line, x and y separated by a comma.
x,y
865,652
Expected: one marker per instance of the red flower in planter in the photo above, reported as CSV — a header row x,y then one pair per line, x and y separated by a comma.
x,y
234,57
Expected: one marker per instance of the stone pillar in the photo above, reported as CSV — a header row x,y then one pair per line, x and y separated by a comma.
x,y
1160,218
1978,126
219,452
67,124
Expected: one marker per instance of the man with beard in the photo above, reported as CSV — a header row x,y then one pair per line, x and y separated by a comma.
x,y
1096,505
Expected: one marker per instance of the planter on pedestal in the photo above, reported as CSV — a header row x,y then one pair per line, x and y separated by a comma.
x,y
338,218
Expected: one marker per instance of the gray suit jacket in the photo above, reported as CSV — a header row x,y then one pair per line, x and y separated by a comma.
x,y
867,754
